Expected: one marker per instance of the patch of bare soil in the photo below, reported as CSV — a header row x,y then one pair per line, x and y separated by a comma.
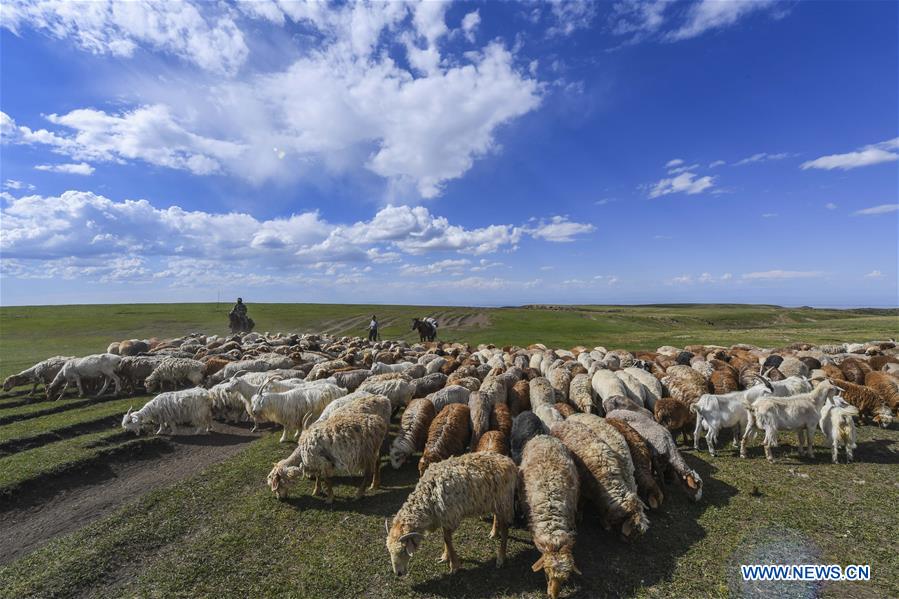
x,y
69,501
468,320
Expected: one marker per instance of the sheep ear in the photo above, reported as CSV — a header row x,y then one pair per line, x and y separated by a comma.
x,y
538,565
691,482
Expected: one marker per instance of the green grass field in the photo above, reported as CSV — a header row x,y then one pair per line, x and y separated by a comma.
x,y
220,532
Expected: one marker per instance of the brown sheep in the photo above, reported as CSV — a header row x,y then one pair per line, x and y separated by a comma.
x,y
451,365
855,370
647,484
871,406
213,365
674,415
878,362
519,398
501,419
832,371
685,384
565,409
724,381
886,385
413,431
480,406
494,441
448,435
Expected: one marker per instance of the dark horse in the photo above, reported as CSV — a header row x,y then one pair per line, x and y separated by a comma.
x,y
240,323
426,330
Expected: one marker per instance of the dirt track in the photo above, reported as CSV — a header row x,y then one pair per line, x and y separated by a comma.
x,y
34,518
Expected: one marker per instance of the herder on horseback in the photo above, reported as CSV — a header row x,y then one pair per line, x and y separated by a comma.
x,y
426,327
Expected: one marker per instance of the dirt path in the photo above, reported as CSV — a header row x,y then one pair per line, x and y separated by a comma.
x,y
83,497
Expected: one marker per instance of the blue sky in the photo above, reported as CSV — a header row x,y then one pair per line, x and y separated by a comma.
x,y
468,153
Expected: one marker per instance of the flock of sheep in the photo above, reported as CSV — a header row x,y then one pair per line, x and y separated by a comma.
x,y
501,431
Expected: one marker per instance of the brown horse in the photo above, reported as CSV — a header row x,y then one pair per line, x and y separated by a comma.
x,y
426,330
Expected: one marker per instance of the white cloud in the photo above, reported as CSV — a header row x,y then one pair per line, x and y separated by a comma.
x,y
769,215
638,18
484,264
762,157
570,15
727,276
15,184
717,163
782,274
682,280
470,24
830,206
874,274
456,266
868,155
682,169
684,183
674,162
209,38
707,15
874,210
81,168
561,230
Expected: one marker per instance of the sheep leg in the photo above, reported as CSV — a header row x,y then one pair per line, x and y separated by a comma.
x,y
835,453
283,436
80,387
316,490
376,476
160,429
329,490
697,432
450,551
736,435
368,473
810,441
503,541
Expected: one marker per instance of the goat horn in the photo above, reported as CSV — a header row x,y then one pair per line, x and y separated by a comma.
x,y
386,526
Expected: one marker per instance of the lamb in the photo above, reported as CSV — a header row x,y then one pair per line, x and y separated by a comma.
x,y
580,393
448,435
449,395
292,409
41,373
541,392
605,478
347,443
641,455
664,448
167,410
716,412
413,431
674,415
175,371
839,428
871,406
550,486
398,390
525,426
799,413
94,366
471,485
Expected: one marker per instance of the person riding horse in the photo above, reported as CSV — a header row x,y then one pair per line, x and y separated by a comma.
x,y
239,322
426,327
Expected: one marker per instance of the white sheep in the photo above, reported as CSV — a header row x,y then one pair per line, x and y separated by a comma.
x,y
652,387
94,366
635,389
175,371
793,385
292,409
398,390
167,410
606,385
41,373
838,426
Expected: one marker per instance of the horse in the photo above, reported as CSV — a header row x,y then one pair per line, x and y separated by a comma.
x,y
426,330
240,323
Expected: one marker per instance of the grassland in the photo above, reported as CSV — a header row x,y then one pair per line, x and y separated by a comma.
x,y
219,532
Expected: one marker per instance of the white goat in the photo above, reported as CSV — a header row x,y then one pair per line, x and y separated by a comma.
x,y
717,412
838,426
798,412
167,410
93,366
292,409
793,385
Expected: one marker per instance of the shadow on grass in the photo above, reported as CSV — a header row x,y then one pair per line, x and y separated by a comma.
x,y
878,451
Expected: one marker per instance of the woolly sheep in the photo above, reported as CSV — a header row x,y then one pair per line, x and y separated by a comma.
x,y
430,383
175,372
580,393
398,390
674,415
449,395
605,479
520,397
480,408
550,486
652,387
347,443
448,435
871,405
606,384
525,426
461,487
541,392
641,455
549,415
685,384
41,373
167,410
413,431
94,366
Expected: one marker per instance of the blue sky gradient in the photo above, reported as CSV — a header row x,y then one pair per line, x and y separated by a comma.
x,y
468,153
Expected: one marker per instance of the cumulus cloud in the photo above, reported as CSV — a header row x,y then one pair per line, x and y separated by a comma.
x,y
207,38
878,153
16,184
470,24
347,104
782,274
688,183
561,230
81,168
875,210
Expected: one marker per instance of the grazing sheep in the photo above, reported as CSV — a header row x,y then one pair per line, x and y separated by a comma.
x,y
351,379
685,384
520,397
381,368
793,385
549,415
448,435
839,428
620,402
798,412
94,366
550,486
652,387
674,415
398,390
480,407
724,380
41,373
606,385
606,480
541,393
565,409
493,441
560,379
134,370
633,386
167,410
176,372
461,487
791,367
580,393
525,426
413,431
293,408
501,419
871,406
886,385
361,402
449,395
347,443
641,455
664,448
854,370
428,384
